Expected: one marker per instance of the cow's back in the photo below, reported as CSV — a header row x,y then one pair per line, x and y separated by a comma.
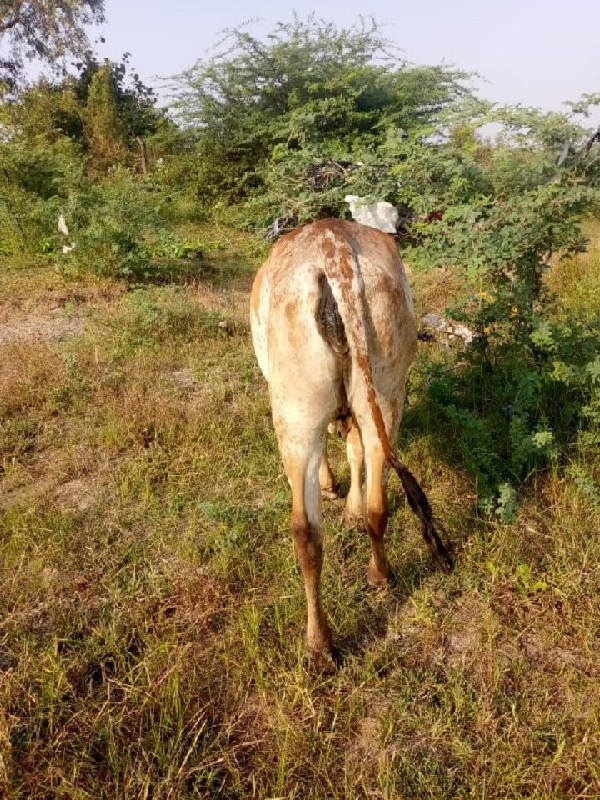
x,y
285,297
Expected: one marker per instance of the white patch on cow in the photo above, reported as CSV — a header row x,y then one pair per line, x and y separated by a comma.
x,y
259,328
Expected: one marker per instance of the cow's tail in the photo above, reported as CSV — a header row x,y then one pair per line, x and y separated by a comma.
x,y
340,317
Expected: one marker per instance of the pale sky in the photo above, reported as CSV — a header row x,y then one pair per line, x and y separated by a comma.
x,y
534,52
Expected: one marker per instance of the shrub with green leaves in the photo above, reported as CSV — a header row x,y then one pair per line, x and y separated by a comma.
x,y
110,223
34,184
513,407
524,393
267,111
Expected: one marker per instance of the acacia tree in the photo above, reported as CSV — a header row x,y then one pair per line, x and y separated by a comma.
x,y
308,92
48,30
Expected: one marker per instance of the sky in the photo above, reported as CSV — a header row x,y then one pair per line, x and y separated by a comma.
x,y
533,52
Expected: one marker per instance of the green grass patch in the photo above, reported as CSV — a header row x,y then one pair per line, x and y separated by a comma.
x,y
152,614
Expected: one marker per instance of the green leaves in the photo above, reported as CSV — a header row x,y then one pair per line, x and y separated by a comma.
x,y
288,125
48,31
310,90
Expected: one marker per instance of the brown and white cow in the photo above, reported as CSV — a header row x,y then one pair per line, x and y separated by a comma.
x,y
334,334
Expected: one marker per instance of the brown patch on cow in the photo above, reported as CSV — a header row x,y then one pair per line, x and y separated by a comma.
x,y
333,247
383,284
377,523
374,239
365,368
325,225
281,248
346,263
328,248
291,312
289,237
294,330
377,238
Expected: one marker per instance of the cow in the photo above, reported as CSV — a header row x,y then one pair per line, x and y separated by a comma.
x,y
334,334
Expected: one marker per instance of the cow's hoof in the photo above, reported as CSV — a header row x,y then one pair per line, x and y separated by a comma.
x,y
353,520
377,578
321,660
320,648
329,494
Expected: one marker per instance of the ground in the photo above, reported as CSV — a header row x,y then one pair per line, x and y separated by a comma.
x,y
151,612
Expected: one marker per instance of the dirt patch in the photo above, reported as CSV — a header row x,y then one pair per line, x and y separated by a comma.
x,y
76,495
190,390
38,327
183,379
370,730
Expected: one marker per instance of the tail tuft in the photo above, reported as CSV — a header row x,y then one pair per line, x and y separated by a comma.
x,y
419,503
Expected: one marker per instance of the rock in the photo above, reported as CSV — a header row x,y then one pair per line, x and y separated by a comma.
x,y
381,215
435,321
438,327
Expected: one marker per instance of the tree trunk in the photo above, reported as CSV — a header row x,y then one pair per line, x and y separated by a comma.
x,y
143,155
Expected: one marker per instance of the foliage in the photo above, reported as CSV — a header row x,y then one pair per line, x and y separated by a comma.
x,y
312,91
105,108
117,109
524,391
109,225
102,123
48,30
36,178
520,404
290,141
285,127
73,148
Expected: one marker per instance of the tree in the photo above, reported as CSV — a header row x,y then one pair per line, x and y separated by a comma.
x,y
289,125
105,110
310,91
135,103
104,129
48,30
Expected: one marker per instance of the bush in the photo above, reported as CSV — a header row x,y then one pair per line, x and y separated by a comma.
x,y
110,223
514,407
265,112
34,185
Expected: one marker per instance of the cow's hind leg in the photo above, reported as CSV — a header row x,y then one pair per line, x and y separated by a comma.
x,y
354,513
326,476
376,468
302,459
377,514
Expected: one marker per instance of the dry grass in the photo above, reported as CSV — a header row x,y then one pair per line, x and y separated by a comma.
x,y
151,613
576,280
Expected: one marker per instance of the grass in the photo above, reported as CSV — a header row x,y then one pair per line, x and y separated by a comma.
x,y
151,613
